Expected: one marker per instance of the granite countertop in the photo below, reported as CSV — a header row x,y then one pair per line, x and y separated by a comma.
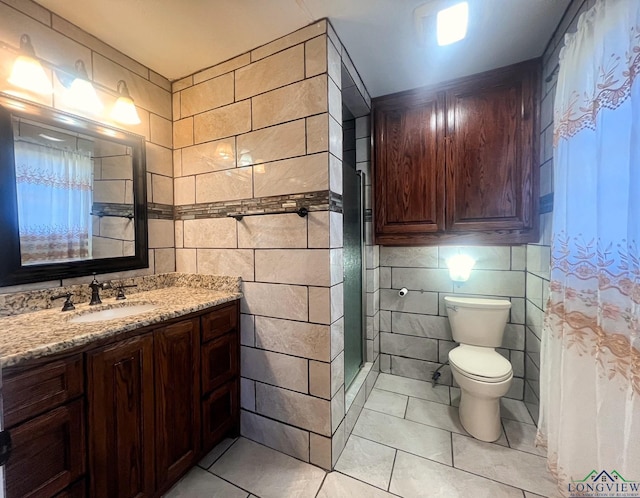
x,y
42,333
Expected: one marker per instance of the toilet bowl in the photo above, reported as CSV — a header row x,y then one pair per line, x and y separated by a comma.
x,y
483,374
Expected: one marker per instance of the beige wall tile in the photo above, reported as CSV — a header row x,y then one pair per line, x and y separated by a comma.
x,y
336,236
320,305
337,337
320,451
247,394
293,266
495,283
233,262
292,176
271,72
183,132
335,101
209,156
165,260
336,266
210,233
335,138
223,67
318,133
32,9
337,373
273,143
185,190
289,40
275,300
320,379
181,84
294,101
161,233
247,330
160,130
316,56
175,105
337,303
274,368
337,409
186,261
225,185
486,258
207,95
297,338
162,189
159,159
282,437
273,231
422,279
177,163
425,257
297,409
334,64
179,232
318,222
159,80
223,122
335,174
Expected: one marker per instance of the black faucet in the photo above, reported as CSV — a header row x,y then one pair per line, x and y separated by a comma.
x,y
95,290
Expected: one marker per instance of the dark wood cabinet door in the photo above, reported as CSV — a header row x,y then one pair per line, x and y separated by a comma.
x,y
121,419
408,166
491,184
48,453
220,414
219,361
177,379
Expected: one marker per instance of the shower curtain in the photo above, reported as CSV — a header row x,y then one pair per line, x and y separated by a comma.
x,y
590,376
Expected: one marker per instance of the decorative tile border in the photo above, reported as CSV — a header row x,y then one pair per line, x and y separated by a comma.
x,y
313,201
157,211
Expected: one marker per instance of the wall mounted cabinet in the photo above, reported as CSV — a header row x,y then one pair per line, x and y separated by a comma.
x,y
457,163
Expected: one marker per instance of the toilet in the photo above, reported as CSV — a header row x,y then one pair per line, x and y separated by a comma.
x,y
483,374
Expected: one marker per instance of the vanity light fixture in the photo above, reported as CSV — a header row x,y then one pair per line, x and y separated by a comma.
x,y
124,111
460,266
82,93
452,23
27,72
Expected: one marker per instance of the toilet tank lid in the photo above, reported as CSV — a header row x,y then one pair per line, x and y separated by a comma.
x,y
477,302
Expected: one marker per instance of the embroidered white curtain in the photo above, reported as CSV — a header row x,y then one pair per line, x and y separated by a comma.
x,y
590,366
54,203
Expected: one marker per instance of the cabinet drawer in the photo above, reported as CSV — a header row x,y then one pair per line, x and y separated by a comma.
x,y
35,391
219,322
48,453
219,361
219,414
77,490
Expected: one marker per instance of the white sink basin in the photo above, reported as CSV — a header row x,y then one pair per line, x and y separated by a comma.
x,y
113,313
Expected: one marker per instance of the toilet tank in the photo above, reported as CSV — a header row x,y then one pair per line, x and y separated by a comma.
x,y
477,321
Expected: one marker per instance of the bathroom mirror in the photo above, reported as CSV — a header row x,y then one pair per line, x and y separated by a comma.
x,y
72,195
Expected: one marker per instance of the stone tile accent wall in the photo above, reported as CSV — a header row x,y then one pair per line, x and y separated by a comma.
x,y
62,43
415,336
539,255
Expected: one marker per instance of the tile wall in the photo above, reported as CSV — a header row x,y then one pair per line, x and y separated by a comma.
x,y
539,255
260,133
415,337
62,43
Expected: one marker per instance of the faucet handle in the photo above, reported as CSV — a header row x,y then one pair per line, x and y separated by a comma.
x,y
68,304
120,288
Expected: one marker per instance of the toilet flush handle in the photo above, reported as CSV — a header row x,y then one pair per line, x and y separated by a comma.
x,y
452,308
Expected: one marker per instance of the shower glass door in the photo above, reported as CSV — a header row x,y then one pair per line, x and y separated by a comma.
x,y
353,271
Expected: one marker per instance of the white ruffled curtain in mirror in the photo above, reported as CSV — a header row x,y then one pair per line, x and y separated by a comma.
x,y
54,203
590,364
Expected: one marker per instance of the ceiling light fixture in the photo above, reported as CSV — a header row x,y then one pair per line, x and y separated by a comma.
x,y
27,72
82,93
452,23
124,111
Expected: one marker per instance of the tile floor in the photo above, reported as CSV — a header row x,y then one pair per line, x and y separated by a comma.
x,y
407,442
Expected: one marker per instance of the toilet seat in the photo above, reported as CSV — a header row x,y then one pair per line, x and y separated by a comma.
x,y
481,364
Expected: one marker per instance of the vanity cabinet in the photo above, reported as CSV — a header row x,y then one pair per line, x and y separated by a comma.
x,y
456,163
153,404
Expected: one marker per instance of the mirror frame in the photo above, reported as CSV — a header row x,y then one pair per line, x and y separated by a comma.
x,y
12,272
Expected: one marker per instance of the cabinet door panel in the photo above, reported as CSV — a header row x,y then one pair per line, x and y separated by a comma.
x,y
48,453
177,378
490,152
219,413
121,418
409,166
219,361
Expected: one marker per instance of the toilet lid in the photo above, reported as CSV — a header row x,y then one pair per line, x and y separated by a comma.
x,y
482,364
